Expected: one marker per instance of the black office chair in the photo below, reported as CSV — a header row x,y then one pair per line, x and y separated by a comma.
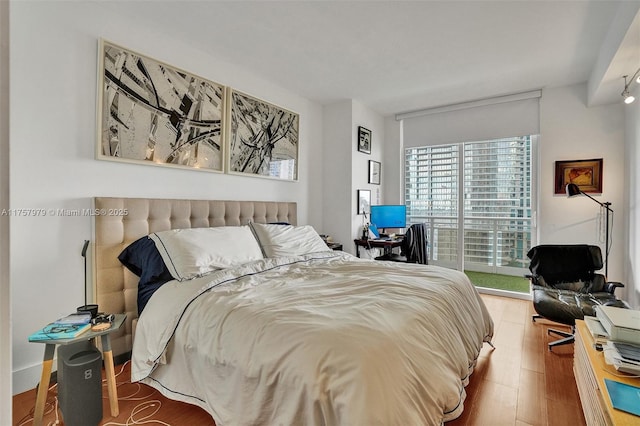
x,y
566,286
414,247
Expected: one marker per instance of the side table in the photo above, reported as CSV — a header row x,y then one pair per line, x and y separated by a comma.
x,y
335,246
47,363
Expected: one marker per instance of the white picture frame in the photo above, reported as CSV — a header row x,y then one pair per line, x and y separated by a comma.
x,y
263,138
150,112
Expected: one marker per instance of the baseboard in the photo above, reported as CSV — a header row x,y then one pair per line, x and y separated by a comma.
x,y
28,378
504,293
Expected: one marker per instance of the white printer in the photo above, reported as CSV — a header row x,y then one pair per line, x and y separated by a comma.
x,y
621,324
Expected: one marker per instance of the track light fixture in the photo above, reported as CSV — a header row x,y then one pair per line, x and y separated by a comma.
x,y
628,97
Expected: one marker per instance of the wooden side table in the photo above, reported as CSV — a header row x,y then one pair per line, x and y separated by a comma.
x,y
47,363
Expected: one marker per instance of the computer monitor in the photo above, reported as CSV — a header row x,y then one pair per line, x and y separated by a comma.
x,y
389,216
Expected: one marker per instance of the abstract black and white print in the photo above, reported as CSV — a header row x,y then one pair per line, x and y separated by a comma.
x,y
152,112
263,139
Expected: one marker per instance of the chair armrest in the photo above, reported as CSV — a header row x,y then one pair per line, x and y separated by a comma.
x,y
612,285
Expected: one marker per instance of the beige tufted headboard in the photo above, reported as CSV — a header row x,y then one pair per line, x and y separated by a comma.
x,y
120,221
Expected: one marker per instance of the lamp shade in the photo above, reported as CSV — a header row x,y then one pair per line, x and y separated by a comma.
x,y
572,189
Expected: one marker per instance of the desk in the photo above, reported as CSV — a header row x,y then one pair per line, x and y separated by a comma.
x,y
47,362
590,371
387,246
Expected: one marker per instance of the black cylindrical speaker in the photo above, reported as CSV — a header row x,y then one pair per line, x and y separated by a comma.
x,y
80,384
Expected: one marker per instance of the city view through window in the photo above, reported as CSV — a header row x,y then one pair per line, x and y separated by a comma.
x,y
482,189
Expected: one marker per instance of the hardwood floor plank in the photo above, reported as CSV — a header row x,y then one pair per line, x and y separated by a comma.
x,y
532,409
495,405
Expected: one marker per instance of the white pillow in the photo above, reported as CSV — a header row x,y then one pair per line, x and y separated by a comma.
x,y
288,240
189,253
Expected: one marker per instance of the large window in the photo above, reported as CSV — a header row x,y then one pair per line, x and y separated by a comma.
x,y
476,198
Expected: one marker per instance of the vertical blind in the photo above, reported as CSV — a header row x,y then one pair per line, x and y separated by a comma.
x,y
495,180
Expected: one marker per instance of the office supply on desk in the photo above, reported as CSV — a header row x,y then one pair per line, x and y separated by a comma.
x,y
621,324
596,329
624,397
373,231
620,362
628,352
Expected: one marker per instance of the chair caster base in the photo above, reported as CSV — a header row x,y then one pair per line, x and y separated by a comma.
x,y
568,337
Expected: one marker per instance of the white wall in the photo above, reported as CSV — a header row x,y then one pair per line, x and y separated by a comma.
x,y
346,169
632,200
569,130
337,154
5,294
53,127
392,184
365,117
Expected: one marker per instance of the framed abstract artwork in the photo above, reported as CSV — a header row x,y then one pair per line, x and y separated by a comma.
x,y
587,174
263,138
374,172
364,140
150,112
364,201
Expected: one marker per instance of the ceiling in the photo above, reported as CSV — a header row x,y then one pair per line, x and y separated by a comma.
x,y
397,56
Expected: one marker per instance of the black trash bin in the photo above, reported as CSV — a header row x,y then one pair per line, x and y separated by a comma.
x,y
80,384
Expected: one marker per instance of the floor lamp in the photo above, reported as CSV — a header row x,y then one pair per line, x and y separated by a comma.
x,y
572,190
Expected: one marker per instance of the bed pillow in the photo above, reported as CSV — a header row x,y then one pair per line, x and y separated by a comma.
x,y
288,240
143,259
190,253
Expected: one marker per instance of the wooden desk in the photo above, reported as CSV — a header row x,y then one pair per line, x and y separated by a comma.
x,y
386,245
47,363
590,371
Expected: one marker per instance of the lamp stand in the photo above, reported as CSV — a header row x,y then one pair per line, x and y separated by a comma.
x,y
92,309
572,190
607,209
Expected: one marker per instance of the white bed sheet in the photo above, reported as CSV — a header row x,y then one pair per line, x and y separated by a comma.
x,y
319,339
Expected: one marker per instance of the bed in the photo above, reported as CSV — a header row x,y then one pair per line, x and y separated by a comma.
x,y
288,332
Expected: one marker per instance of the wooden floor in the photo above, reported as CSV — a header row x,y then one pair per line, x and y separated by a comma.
x,y
519,383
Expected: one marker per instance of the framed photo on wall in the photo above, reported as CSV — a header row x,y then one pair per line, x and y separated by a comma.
x,y
587,174
374,172
364,201
364,140
150,112
263,138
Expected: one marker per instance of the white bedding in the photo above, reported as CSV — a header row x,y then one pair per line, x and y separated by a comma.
x,y
319,339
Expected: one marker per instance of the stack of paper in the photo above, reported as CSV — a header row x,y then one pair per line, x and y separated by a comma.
x,y
623,356
596,329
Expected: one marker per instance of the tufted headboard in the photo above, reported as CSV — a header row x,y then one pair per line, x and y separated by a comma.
x,y
120,221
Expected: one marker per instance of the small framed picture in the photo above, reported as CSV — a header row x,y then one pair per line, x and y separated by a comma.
x,y
587,174
364,140
364,201
374,172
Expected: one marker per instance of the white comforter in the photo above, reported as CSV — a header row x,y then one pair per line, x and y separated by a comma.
x,y
324,339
